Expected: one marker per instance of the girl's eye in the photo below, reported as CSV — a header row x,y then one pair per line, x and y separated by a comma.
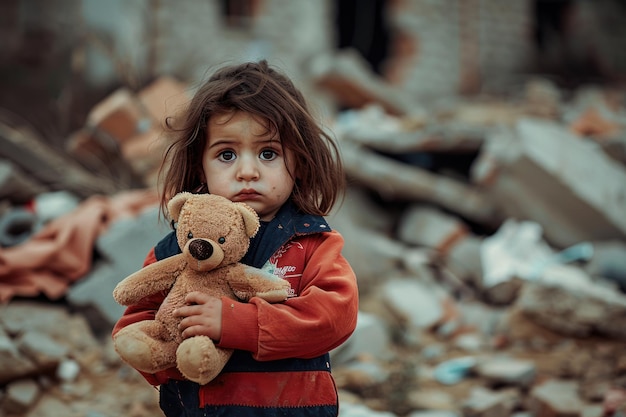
x,y
268,155
227,156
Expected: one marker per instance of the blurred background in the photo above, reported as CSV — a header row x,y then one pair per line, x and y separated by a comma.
x,y
485,147
59,58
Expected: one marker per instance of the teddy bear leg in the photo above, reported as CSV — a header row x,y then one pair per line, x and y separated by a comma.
x,y
199,360
138,347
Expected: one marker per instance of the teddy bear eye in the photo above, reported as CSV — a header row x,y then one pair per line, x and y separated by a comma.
x,y
189,235
221,240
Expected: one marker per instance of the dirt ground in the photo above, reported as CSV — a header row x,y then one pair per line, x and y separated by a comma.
x,y
106,387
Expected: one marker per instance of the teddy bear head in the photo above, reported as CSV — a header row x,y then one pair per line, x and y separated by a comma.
x,y
211,230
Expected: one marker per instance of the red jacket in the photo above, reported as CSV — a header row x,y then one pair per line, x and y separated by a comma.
x,y
319,315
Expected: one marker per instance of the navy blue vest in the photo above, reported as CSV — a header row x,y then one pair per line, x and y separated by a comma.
x,y
271,236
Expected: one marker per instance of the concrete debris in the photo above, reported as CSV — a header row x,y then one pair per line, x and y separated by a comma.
x,y
556,398
371,338
20,396
395,180
566,183
577,310
483,402
347,76
135,123
374,128
507,370
430,227
431,399
414,304
22,146
524,253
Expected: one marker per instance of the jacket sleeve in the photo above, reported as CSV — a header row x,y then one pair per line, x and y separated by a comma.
x,y
319,319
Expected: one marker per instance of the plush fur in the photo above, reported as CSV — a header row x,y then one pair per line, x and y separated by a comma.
x,y
214,234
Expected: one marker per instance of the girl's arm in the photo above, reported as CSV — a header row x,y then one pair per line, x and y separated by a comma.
x,y
319,319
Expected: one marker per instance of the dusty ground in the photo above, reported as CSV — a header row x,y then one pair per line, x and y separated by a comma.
x,y
104,388
108,388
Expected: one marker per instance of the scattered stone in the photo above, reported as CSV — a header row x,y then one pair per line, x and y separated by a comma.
x,y
431,399
13,364
370,338
415,304
68,370
507,370
483,402
555,398
577,308
20,396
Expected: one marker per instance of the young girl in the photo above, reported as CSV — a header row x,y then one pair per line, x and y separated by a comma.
x,y
248,136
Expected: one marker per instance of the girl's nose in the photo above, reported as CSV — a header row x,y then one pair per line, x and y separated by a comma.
x,y
247,169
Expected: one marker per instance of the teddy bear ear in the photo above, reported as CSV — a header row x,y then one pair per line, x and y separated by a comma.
x,y
176,203
250,218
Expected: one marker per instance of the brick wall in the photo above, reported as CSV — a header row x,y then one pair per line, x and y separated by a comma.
x,y
459,45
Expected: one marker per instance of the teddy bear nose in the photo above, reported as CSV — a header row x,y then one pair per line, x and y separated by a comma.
x,y
200,249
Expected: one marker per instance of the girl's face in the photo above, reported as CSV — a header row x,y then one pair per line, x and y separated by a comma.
x,y
244,163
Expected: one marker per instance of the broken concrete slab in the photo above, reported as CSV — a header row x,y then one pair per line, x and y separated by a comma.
x,y
416,305
541,171
574,307
101,155
371,337
420,131
47,165
396,180
36,337
346,75
484,402
13,363
430,227
507,370
119,116
437,402
20,396
42,349
555,398
135,122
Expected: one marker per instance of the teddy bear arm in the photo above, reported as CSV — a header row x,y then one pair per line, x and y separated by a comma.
x,y
154,278
247,282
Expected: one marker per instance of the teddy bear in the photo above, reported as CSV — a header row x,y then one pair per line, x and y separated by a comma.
x,y
214,234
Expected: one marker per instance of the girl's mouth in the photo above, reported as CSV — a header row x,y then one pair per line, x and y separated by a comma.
x,y
246,195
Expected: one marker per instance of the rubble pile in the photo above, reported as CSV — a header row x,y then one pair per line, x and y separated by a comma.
x,y
488,235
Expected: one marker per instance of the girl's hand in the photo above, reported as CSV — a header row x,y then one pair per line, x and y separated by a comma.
x,y
202,316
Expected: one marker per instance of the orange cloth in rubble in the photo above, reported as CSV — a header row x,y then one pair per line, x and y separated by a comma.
x,y
62,251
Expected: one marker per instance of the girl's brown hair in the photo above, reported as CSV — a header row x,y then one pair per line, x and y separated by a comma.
x,y
266,93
